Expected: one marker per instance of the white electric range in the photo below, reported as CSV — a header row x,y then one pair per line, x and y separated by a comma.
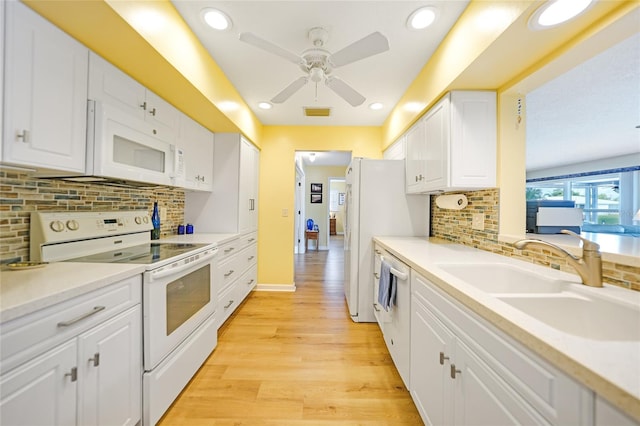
x,y
178,294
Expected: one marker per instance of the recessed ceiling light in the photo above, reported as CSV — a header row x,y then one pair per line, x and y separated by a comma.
x,y
216,19
555,12
376,106
421,18
265,105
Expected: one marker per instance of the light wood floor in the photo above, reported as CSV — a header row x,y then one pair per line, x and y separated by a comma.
x,y
297,359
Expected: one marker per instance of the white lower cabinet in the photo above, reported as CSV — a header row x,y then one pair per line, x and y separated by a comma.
x,y
464,371
88,366
236,273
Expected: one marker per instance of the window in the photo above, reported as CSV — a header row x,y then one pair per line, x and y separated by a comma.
x,y
608,200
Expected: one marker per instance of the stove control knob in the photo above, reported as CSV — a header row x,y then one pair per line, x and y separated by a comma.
x,y
73,225
138,220
57,226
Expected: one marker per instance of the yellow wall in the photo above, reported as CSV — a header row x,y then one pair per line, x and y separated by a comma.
x,y
277,177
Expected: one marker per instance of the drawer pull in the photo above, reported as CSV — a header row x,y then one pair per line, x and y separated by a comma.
x,y
375,274
229,250
250,281
24,135
250,257
250,240
95,359
228,274
378,251
442,358
229,304
73,374
375,307
454,371
94,311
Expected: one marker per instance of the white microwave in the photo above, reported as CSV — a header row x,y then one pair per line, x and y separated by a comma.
x,y
124,149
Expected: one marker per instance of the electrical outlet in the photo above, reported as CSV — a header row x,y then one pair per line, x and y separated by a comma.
x,y
163,213
477,221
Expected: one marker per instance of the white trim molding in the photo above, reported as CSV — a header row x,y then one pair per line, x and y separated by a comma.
x,y
276,287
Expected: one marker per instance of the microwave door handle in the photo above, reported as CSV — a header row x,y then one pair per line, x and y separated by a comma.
x,y
173,271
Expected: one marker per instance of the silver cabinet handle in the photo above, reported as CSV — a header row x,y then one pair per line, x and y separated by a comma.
x,y
442,358
153,112
229,250
229,304
375,274
378,251
73,374
454,371
250,257
95,359
24,135
228,274
250,240
94,311
375,307
250,281
144,106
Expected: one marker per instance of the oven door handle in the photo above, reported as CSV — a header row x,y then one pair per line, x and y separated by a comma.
x,y
156,275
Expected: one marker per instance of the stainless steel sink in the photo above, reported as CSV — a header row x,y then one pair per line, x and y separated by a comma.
x,y
589,317
504,278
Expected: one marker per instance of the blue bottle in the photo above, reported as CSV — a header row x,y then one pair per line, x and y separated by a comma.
x,y
155,220
309,224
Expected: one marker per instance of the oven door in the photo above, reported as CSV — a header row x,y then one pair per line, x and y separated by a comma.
x,y
177,298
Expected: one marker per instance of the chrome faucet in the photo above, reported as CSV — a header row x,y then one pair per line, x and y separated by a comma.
x,y
589,267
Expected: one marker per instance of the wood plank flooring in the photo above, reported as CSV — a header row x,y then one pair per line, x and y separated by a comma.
x,y
297,359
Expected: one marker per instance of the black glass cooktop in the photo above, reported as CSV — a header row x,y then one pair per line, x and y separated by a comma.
x,y
145,254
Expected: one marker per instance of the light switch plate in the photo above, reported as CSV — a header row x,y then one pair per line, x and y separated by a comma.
x,y
477,221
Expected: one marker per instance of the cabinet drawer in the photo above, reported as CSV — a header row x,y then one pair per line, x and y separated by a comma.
x,y
247,282
228,301
248,257
228,249
547,389
31,335
247,239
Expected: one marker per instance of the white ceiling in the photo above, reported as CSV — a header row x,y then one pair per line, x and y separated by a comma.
x,y
259,75
590,112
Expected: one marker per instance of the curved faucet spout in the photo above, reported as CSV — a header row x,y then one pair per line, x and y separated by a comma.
x,y
589,267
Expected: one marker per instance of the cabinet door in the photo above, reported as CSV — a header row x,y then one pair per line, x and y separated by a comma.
x,y
248,200
110,85
432,349
45,94
163,116
482,398
110,360
473,139
415,158
436,131
40,392
197,144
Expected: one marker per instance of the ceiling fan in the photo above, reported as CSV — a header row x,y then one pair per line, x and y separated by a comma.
x,y
318,63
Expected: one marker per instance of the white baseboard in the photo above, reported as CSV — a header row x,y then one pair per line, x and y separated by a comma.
x,y
276,287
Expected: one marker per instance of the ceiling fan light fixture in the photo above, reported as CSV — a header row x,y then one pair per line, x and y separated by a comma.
x,y
422,18
376,106
316,74
265,105
216,19
556,12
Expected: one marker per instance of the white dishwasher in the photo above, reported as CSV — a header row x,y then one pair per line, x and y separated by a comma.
x,y
395,322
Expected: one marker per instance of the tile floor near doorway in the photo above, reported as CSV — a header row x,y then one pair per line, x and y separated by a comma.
x,y
297,359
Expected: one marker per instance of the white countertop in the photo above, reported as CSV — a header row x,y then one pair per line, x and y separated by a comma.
x,y
25,291
610,368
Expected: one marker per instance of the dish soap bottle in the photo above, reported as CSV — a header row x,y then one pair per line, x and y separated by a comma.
x,y
155,220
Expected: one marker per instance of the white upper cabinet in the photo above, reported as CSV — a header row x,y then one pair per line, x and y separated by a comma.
x,y
453,147
248,197
109,84
196,144
45,94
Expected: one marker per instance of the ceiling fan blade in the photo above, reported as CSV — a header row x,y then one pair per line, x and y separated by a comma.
x,y
265,45
371,45
345,91
289,90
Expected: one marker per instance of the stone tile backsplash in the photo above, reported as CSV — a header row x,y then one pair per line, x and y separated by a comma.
x,y
455,226
21,194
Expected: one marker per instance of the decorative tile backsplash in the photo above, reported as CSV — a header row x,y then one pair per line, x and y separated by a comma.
x,y
21,194
455,226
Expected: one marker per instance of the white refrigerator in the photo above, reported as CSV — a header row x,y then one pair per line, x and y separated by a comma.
x,y
375,205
